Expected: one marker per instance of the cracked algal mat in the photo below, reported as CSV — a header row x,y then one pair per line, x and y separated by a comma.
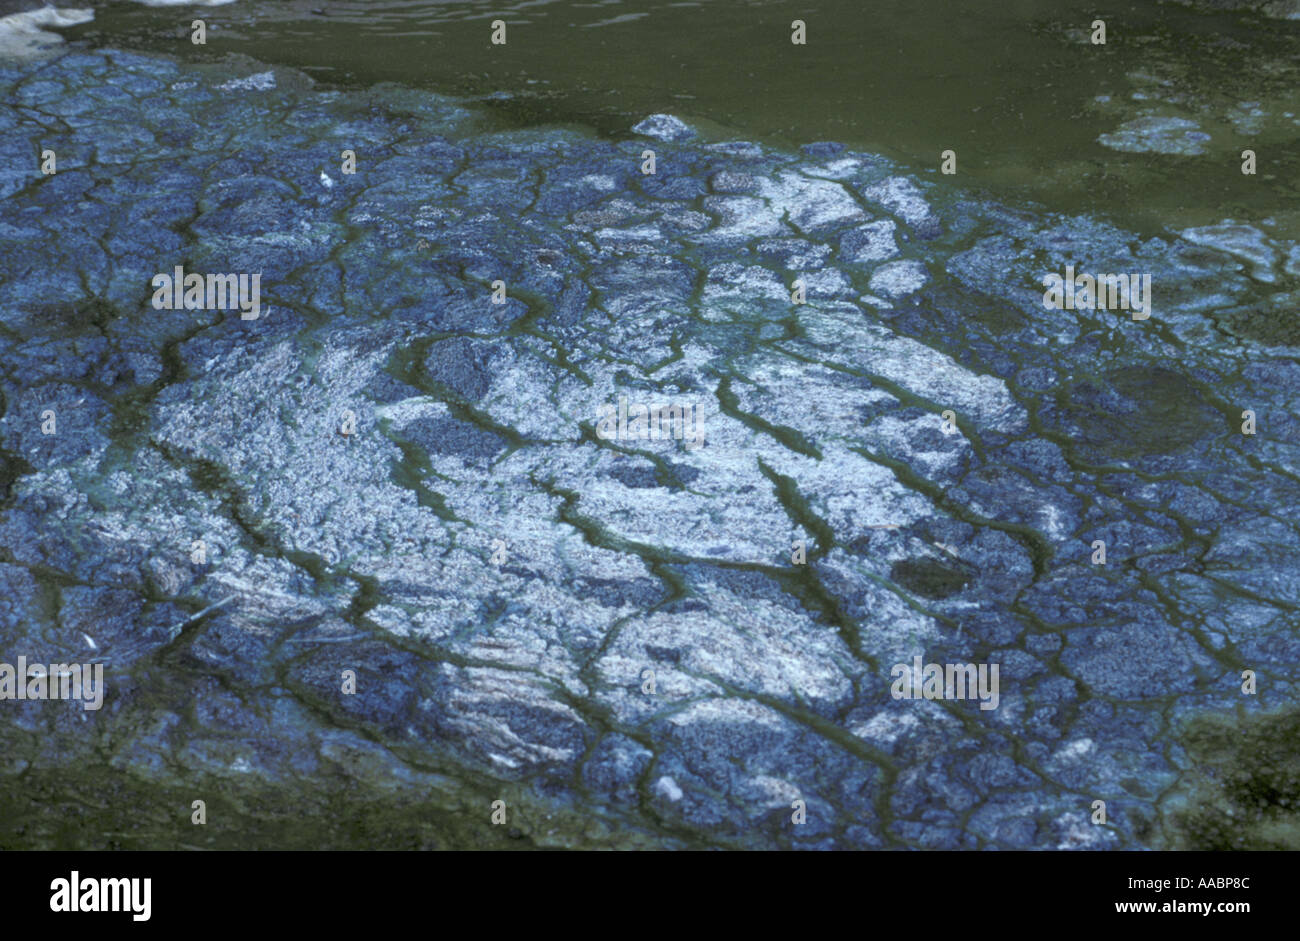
x,y
615,632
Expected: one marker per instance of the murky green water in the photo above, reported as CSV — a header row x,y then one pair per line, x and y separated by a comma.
x,y
1015,87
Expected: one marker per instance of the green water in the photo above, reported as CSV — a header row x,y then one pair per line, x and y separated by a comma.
x,y
1015,87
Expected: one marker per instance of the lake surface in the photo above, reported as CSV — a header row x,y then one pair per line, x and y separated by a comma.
x,y
1016,88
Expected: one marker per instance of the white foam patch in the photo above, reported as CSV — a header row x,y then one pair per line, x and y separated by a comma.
x,y
809,204
899,278
262,81
901,197
21,35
